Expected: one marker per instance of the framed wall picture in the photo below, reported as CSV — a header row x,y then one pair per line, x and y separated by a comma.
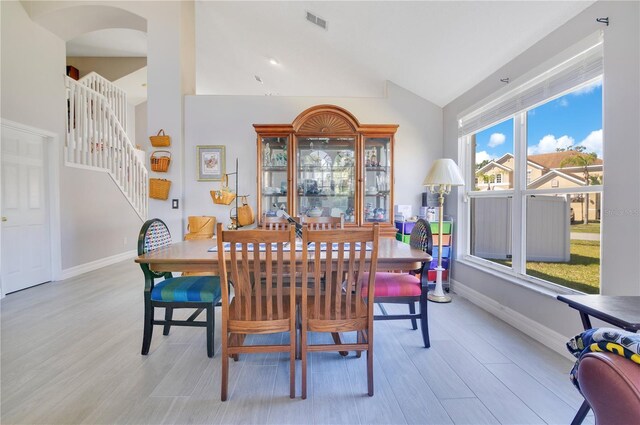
x,y
211,163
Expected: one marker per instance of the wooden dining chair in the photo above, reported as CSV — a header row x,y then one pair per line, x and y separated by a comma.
x,y
274,223
255,264
323,223
334,304
407,287
199,292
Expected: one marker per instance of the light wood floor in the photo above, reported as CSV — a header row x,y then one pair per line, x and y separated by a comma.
x,y
71,354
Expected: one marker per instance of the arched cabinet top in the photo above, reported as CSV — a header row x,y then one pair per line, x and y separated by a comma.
x,y
326,119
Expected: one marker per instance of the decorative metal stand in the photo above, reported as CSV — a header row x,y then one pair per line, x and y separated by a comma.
x,y
234,219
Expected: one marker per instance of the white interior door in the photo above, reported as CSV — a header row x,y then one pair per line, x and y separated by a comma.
x,y
25,237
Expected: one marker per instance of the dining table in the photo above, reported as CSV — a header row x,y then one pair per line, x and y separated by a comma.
x,y
196,256
200,255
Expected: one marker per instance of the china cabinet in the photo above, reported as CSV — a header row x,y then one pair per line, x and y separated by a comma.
x,y
327,164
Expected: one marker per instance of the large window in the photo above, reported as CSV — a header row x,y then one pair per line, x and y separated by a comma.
x,y
534,210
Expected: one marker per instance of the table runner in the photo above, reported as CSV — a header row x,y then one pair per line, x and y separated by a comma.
x,y
323,247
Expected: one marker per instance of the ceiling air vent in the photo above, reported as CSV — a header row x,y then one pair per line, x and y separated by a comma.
x,y
316,20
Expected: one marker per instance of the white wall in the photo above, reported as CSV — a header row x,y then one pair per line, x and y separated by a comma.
x,y
621,205
228,120
141,125
33,69
170,73
32,80
111,68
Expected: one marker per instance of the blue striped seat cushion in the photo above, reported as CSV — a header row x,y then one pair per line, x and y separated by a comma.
x,y
188,289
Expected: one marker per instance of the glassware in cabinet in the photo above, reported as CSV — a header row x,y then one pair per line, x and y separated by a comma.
x,y
273,175
377,179
326,176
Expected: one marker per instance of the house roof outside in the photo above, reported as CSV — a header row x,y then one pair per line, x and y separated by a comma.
x,y
550,161
551,164
492,164
554,174
554,160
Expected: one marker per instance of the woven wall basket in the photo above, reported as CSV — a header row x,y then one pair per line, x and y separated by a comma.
x,y
159,188
160,140
160,161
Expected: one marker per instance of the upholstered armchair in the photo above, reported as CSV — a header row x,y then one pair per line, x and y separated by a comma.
x,y
611,385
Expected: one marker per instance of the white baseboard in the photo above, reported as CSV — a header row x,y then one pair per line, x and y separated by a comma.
x,y
535,330
97,264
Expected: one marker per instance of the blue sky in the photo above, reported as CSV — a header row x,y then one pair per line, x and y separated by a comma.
x,y
573,119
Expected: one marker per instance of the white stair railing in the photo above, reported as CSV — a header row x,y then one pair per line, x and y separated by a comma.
x,y
115,95
97,141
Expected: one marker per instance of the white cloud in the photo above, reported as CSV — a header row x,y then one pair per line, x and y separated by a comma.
x,y
549,143
588,88
563,102
483,156
593,142
496,139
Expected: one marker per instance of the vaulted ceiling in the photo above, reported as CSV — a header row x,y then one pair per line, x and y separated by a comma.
x,y
436,49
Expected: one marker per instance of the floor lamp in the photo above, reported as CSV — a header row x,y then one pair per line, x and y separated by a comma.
x,y
443,175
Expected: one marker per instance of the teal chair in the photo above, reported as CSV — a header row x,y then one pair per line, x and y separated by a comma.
x,y
199,292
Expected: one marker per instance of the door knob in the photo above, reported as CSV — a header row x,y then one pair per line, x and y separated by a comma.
x,y
4,218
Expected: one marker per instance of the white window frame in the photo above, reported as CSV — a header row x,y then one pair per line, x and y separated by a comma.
x,y
517,273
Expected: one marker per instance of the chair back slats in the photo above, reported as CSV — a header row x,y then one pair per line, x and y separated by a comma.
x,y
329,290
335,277
280,281
255,269
274,223
268,281
257,287
323,223
339,277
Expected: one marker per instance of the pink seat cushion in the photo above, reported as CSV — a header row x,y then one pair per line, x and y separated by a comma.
x,y
394,285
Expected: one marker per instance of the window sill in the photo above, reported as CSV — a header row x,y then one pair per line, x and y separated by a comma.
x,y
536,285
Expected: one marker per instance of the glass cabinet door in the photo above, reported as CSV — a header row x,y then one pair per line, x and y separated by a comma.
x,y
326,177
273,178
377,179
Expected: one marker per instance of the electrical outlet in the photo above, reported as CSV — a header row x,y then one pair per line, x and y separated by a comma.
x,y
174,204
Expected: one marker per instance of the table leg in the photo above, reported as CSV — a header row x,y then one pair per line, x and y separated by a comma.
x,y
586,322
584,408
582,413
336,340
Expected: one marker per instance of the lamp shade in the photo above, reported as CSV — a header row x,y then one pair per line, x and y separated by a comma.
x,y
444,171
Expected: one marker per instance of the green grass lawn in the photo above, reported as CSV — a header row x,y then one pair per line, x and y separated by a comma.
x,y
581,273
589,228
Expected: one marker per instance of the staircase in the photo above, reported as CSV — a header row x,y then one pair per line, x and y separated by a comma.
x,y
97,140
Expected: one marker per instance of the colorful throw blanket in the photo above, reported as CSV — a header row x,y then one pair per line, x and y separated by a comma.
x,y
623,343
